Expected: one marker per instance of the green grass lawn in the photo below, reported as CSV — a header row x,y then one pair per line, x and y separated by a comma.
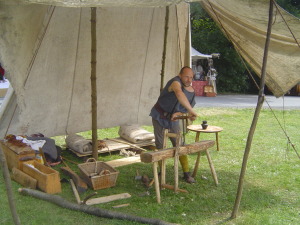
x,y
271,190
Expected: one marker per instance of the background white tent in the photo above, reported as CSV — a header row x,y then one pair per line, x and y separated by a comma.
x,y
198,55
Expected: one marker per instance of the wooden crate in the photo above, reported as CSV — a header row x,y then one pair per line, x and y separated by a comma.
x,y
15,156
106,176
48,179
210,94
208,88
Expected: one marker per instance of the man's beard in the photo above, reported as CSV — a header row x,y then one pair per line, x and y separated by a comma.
x,y
187,85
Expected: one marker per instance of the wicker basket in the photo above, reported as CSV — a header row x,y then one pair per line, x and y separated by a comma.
x,y
98,175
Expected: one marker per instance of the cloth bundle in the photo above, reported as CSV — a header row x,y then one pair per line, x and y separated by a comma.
x,y
134,133
79,143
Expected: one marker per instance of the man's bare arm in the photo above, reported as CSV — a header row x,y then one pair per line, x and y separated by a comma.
x,y
176,87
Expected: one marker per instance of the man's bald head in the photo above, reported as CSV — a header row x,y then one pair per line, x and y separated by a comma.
x,y
185,69
186,75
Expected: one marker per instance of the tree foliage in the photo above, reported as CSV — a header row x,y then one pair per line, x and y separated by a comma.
x,y
208,38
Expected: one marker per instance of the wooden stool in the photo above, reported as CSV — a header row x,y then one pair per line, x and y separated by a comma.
x,y
210,129
161,155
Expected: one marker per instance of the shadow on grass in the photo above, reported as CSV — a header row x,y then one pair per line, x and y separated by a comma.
x,y
205,201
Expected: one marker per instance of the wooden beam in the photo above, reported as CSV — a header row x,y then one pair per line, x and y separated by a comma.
x,y
150,157
124,161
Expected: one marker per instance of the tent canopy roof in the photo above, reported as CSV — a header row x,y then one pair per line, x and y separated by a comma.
x,y
107,3
198,55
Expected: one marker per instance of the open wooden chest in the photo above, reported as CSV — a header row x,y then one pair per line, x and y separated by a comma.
x,y
15,155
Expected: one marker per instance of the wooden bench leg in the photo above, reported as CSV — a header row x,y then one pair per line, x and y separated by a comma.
x,y
212,168
163,173
176,162
198,157
196,165
156,182
217,140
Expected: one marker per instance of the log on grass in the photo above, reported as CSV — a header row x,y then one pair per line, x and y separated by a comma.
x,y
96,211
150,157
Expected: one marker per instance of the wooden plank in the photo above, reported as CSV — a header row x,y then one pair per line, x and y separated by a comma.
x,y
124,161
116,146
120,206
150,157
109,198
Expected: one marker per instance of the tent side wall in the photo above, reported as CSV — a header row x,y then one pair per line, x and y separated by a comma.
x,y
53,83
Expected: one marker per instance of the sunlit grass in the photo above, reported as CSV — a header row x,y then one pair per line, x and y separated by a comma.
x,y
271,189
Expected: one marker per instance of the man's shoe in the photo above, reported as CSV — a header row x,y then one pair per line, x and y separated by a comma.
x,y
188,178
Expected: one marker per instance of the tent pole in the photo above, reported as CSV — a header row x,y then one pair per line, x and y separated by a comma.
x,y
260,102
94,81
9,192
162,74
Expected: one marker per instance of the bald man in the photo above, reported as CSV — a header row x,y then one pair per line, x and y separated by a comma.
x,y
176,98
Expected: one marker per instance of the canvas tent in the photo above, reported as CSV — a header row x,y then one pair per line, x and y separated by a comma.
x,y
46,52
45,49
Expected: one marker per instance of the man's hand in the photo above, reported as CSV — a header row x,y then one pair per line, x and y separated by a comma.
x,y
192,117
174,115
178,115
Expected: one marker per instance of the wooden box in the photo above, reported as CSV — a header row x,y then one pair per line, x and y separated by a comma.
x,y
210,94
15,156
48,179
208,88
98,175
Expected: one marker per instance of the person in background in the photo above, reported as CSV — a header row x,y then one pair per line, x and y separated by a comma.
x,y
2,72
176,99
